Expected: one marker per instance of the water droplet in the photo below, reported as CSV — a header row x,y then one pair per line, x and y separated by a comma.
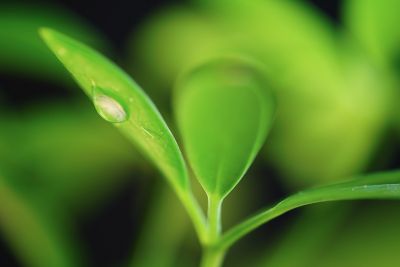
x,y
108,107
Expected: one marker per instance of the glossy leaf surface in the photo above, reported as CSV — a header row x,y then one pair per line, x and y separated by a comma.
x,y
120,100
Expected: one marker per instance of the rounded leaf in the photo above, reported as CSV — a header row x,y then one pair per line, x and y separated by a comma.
x,y
224,111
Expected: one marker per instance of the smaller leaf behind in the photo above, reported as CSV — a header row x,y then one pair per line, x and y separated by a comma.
x,y
375,25
118,99
224,111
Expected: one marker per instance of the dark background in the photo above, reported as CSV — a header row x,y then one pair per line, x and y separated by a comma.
x,y
115,19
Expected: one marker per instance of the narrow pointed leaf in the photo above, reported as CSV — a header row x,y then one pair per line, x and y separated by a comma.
x,y
118,99
224,111
384,185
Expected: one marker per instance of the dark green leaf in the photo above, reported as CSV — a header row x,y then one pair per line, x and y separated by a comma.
x,y
38,239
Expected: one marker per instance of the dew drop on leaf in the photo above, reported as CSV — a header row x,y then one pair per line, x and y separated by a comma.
x,y
108,107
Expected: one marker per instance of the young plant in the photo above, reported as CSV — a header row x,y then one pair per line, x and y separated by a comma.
x,y
224,110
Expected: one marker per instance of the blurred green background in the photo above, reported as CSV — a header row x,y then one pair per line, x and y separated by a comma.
x,y
73,192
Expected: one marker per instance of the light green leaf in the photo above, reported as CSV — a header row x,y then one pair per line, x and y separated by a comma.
x,y
224,111
375,25
303,153
188,38
385,185
119,100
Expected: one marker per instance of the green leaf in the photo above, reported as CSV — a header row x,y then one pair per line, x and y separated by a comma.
x,y
38,238
368,238
224,111
120,100
164,210
65,163
304,240
188,38
303,153
385,185
374,24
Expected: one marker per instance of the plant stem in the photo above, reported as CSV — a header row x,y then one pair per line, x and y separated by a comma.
x,y
196,215
212,257
214,218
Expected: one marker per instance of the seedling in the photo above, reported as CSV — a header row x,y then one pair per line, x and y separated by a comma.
x,y
224,110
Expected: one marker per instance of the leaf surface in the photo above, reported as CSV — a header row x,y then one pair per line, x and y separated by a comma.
x,y
385,185
119,100
224,112
375,25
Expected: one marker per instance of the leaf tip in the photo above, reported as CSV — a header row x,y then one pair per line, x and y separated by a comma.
x,y
45,33
53,39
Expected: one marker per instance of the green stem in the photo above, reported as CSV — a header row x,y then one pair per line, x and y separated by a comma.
x,y
212,258
214,218
196,215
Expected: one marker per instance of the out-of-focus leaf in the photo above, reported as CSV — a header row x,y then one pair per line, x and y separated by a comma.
x,y
120,100
328,123
65,152
375,25
224,111
260,28
385,185
305,239
34,236
153,237
290,37
333,131
22,51
346,99
172,40
369,238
